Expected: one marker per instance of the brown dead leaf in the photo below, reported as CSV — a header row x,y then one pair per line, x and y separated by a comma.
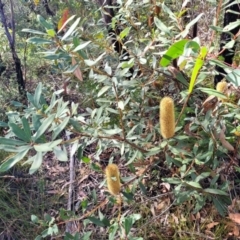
x,y
210,103
77,72
211,225
235,217
236,231
166,187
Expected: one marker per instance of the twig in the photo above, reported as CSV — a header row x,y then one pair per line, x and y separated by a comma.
x,y
70,189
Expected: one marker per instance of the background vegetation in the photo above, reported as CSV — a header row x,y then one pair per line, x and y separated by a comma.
x,y
85,106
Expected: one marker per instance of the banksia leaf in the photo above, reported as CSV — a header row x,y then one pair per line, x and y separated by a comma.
x,y
167,117
113,179
64,18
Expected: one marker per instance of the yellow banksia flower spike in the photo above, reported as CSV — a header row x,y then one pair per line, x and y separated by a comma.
x,y
167,117
222,86
113,179
36,2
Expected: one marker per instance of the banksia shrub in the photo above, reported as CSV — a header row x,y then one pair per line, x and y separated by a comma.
x,y
167,117
113,179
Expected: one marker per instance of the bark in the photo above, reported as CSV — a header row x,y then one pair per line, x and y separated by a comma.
x,y
228,54
11,40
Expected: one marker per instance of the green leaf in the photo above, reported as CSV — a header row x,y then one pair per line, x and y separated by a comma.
x,y
112,231
51,32
33,31
91,63
37,162
63,26
173,52
124,32
11,142
34,218
61,153
18,132
71,29
234,77
44,126
60,127
86,160
81,46
38,238
215,191
161,26
127,195
99,222
36,40
221,207
198,65
127,225
103,90
26,128
13,160
193,184
44,23
45,147
37,95
202,176
213,92
231,26
112,131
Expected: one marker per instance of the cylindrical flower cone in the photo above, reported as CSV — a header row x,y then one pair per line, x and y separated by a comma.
x,y
113,179
167,117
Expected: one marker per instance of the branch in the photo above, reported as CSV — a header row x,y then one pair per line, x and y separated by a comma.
x,y
4,22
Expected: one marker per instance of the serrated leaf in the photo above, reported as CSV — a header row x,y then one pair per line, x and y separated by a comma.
x,y
45,147
37,162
